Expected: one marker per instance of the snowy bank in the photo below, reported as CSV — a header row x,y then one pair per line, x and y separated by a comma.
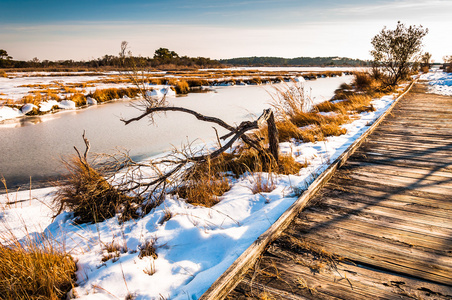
x,y
439,82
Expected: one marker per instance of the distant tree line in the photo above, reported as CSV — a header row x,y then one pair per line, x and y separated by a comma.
x,y
166,59
298,61
163,58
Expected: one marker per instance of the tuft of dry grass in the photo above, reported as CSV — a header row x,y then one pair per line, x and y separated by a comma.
x,y
261,184
249,160
182,87
148,249
205,183
78,98
91,198
3,74
34,98
303,284
167,215
35,269
113,250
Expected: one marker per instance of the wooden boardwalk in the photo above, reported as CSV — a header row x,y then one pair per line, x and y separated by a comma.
x,y
381,228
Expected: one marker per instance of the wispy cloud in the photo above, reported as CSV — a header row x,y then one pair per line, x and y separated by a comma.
x,y
401,7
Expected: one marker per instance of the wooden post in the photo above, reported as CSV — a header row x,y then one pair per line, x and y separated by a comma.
x,y
273,138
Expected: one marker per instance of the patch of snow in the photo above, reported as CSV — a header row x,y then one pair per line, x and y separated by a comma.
x,y
299,79
337,101
91,101
328,114
7,112
154,93
28,107
168,91
66,104
47,105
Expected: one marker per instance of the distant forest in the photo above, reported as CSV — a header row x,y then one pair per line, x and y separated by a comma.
x,y
169,60
298,61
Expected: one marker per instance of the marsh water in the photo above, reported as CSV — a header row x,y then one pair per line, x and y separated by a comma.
x,y
32,147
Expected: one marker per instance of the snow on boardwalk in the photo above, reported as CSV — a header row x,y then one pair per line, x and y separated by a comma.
x,y
382,225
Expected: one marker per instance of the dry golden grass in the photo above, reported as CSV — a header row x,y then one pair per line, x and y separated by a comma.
x,y
78,98
262,185
113,93
34,98
35,269
69,90
181,87
205,183
316,130
298,119
91,198
249,160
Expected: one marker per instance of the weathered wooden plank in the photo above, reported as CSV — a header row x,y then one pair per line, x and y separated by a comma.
x,y
407,145
418,133
443,133
404,234
369,250
353,199
428,124
398,170
388,190
426,156
324,284
406,184
409,202
415,157
400,161
406,179
383,219
405,137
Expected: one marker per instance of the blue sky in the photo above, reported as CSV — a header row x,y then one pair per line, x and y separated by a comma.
x,y
217,29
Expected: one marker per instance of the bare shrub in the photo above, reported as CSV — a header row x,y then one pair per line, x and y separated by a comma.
x,y
397,50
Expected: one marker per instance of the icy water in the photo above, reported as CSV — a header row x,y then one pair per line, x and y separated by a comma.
x,y
33,147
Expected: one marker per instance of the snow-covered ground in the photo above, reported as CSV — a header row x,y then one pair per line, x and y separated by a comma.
x,y
196,245
439,82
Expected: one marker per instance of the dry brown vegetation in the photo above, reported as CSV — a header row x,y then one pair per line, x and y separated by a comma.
x,y
35,269
148,249
105,95
205,183
91,197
